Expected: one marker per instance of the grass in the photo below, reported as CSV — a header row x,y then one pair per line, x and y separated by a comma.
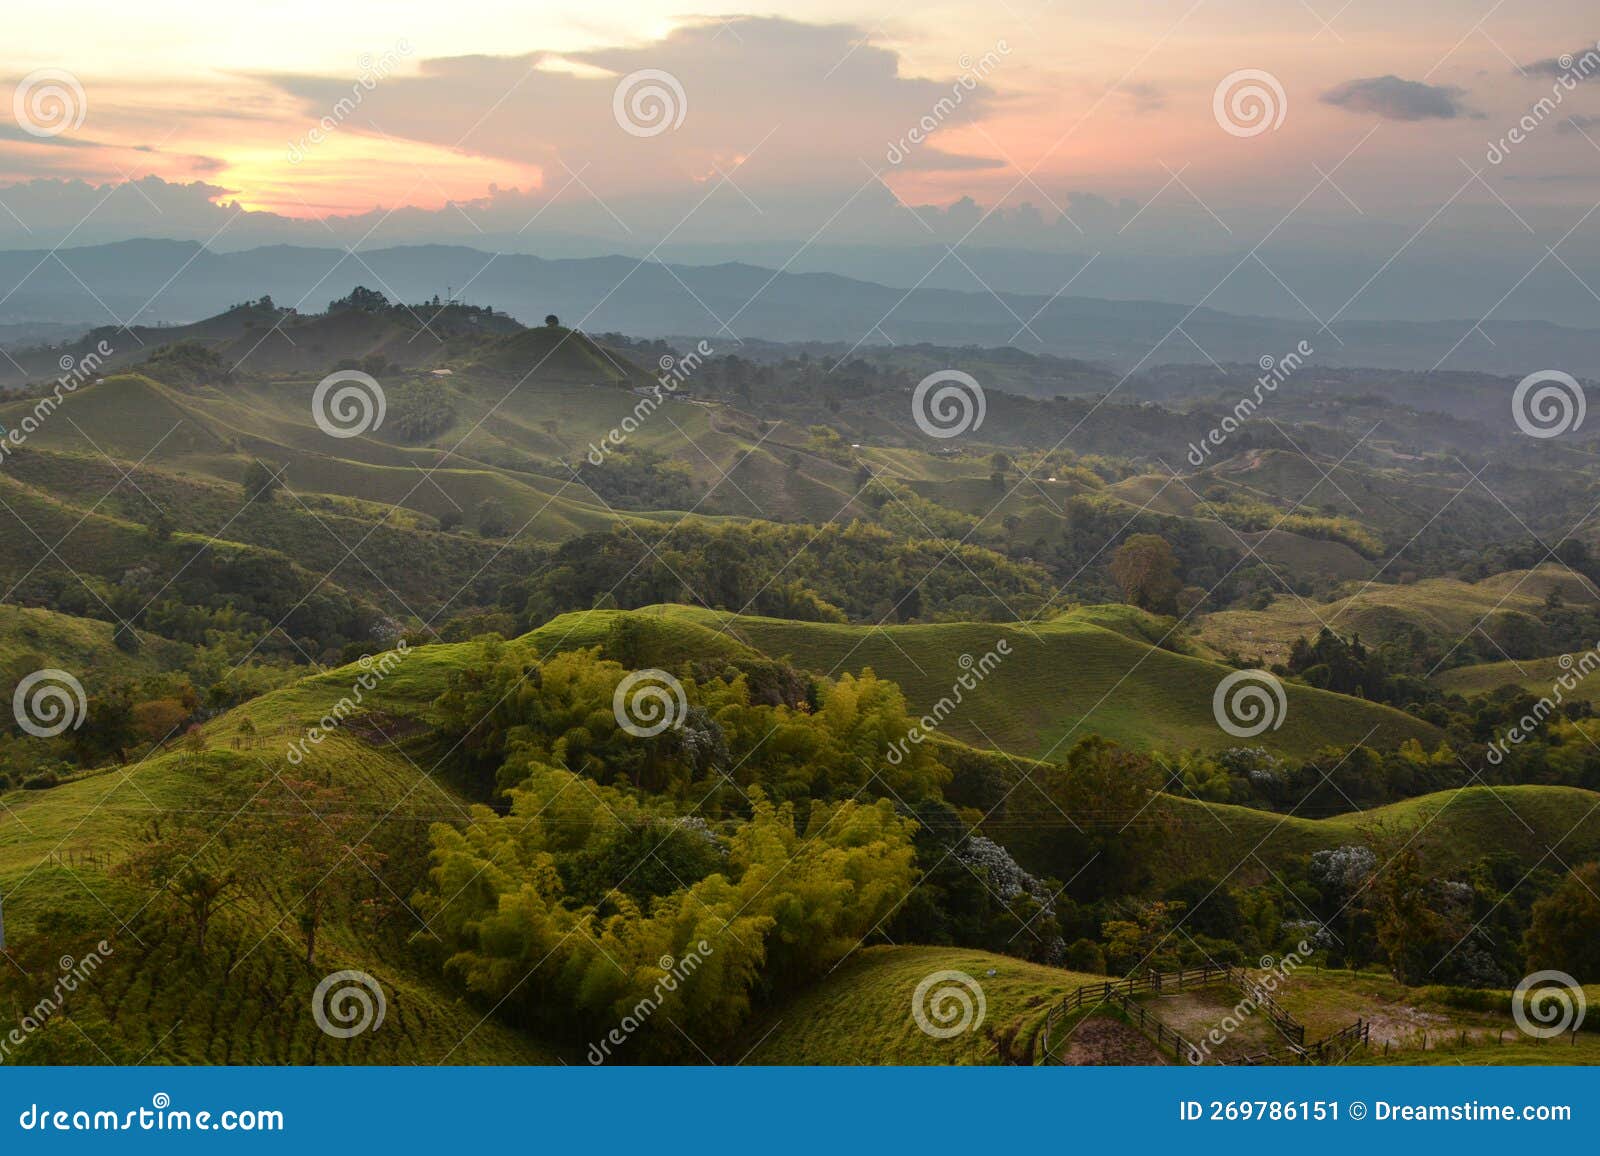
x,y
1445,609
81,645
1534,675
862,1012
246,999
1065,679
1215,839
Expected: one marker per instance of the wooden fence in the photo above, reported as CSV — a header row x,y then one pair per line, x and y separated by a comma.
x,y
1120,994
1290,1028
98,859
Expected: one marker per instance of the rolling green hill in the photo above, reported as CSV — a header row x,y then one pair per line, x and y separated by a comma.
x,y
1067,678
249,1002
1443,609
557,353
862,1014
1535,675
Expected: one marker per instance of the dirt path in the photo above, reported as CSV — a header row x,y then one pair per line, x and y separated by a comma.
x,y
1100,1041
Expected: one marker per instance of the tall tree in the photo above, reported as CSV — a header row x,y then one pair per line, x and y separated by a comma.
x,y
1565,932
1147,571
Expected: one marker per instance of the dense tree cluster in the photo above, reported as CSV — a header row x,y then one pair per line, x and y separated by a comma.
x,y
758,906
858,572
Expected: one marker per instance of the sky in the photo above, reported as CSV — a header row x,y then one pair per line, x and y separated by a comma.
x,y
1195,127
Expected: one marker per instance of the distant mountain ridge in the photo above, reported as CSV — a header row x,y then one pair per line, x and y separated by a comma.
x,y
148,282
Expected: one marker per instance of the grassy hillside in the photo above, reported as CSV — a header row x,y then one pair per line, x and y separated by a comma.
x,y
247,999
1065,679
1534,675
557,353
33,635
862,1014
1455,827
1444,609
61,850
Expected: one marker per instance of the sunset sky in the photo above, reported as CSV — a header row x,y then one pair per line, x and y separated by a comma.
x,y
498,118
